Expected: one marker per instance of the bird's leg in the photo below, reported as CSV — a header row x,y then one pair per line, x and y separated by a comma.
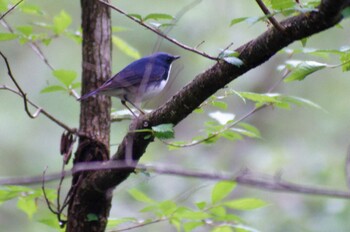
x,y
124,104
134,105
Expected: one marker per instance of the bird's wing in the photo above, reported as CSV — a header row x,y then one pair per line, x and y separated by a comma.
x,y
133,78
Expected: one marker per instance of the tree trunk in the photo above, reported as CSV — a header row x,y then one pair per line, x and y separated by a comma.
x,y
89,208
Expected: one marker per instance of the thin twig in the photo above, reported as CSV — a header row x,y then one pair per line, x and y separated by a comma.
x,y
49,205
272,20
177,17
141,225
257,181
44,112
23,94
159,32
217,133
34,46
11,9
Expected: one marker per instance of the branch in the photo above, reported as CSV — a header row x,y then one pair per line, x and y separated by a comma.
x,y
272,20
11,9
174,41
252,54
245,177
40,110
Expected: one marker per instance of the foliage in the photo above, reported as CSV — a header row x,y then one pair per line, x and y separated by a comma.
x,y
216,214
221,211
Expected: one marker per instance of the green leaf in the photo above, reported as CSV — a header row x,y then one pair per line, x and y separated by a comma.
x,y
51,221
302,69
61,22
300,102
189,226
167,207
140,196
8,36
231,135
164,131
282,4
231,57
259,98
245,204
31,9
116,222
237,20
27,205
66,77
53,88
219,104
126,48
345,59
157,16
201,205
222,229
193,215
139,17
249,130
91,217
218,211
221,190
25,30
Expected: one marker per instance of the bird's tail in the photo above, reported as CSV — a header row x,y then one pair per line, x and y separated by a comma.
x,y
92,93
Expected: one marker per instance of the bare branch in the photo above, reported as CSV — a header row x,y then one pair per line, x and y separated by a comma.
x,y
33,45
272,20
44,112
174,41
11,9
245,177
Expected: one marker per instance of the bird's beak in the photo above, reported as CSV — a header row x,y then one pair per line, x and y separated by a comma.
x,y
176,57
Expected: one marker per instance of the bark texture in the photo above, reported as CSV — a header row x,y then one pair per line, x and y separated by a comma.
x,y
89,207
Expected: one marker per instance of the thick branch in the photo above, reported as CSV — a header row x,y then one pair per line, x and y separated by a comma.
x,y
253,53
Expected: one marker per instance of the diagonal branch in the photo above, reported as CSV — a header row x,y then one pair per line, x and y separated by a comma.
x,y
158,32
253,53
244,177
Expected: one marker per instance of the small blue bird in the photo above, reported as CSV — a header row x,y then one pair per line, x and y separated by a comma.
x,y
139,81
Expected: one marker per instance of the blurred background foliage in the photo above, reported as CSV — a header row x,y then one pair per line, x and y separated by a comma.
x,y
303,144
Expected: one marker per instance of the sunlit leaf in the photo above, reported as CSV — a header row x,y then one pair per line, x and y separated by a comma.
x,y
26,30
140,196
253,131
345,59
114,222
259,98
282,4
53,88
245,204
61,22
139,17
31,9
27,205
302,69
164,131
231,135
189,226
237,20
221,190
8,36
126,48
157,16
201,205
66,77
222,229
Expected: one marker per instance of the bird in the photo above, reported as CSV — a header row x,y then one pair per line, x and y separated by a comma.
x,y
138,81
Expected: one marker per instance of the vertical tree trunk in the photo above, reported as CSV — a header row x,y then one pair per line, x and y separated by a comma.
x,y
89,208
